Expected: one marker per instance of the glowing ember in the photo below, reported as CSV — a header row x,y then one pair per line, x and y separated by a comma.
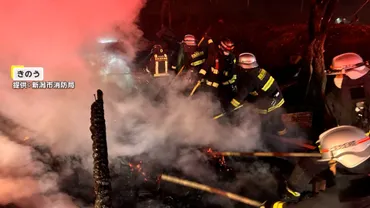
x,y
137,168
221,159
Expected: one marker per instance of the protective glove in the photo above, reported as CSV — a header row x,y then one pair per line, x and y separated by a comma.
x,y
234,88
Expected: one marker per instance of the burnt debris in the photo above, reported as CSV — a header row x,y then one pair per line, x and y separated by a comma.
x,y
102,181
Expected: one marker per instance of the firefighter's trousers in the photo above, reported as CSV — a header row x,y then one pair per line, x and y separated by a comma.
x,y
272,122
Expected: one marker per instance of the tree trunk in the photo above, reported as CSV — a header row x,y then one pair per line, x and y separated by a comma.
x,y
320,16
166,14
317,67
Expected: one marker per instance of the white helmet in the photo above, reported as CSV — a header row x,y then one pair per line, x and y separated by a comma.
x,y
350,64
247,61
347,145
190,40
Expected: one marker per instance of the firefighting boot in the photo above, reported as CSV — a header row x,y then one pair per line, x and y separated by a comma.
x,y
289,194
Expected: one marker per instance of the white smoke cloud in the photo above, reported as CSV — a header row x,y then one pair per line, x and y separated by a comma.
x,y
58,35
54,35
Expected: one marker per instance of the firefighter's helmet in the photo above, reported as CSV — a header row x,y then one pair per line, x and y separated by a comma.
x,y
347,145
157,49
189,40
350,64
226,45
247,61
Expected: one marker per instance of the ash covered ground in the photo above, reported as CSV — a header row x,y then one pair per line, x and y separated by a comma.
x,y
46,146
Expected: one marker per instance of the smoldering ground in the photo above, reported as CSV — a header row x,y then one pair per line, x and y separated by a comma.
x,y
56,36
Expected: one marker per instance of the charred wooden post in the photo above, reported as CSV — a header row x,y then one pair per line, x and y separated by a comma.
x,y
102,182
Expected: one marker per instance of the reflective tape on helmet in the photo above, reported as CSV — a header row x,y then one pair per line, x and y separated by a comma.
x,y
227,47
346,145
268,84
189,40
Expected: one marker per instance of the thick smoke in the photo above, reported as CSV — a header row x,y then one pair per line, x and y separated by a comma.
x,y
54,35
58,36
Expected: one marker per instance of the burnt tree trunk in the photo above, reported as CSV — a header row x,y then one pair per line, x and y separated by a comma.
x,y
102,183
321,12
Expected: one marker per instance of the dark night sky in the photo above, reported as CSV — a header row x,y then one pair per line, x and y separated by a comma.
x,y
289,10
342,6
274,11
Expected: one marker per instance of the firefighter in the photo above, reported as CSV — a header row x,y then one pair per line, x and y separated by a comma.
x,y
254,80
209,75
347,103
158,63
333,101
345,151
353,80
227,62
190,58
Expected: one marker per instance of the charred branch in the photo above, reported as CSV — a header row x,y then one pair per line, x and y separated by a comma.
x,y
102,181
